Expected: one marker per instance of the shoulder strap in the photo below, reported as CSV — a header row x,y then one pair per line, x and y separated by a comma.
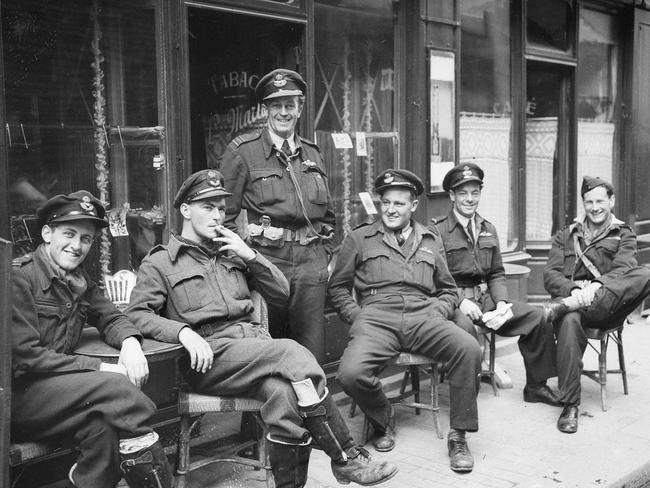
x,y
585,260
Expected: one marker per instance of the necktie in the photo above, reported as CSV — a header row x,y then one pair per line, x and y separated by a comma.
x,y
399,237
470,232
285,148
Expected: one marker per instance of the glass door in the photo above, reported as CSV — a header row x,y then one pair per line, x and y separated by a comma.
x,y
228,53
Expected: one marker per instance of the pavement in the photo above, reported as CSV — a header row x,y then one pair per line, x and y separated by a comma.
x,y
518,444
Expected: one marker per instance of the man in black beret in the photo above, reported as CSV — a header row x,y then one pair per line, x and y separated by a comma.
x,y
405,298
279,179
595,281
474,260
57,393
195,291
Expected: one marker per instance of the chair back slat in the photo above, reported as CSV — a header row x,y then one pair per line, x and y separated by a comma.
x,y
119,286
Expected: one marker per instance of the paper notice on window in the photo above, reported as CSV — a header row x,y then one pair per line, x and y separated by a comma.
x,y
367,202
117,222
342,140
360,140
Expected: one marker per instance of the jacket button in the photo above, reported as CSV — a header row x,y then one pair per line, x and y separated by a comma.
x,y
68,305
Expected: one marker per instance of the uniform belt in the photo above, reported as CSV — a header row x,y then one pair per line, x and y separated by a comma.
x,y
473,291
210,328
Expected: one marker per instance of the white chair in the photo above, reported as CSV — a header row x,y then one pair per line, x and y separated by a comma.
x,y
118,287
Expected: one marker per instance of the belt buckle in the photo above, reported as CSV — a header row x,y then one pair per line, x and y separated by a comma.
x,y
265,221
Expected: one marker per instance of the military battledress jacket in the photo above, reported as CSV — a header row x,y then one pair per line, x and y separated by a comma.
x,y
613,252
180,285
375,264
481,263
49,313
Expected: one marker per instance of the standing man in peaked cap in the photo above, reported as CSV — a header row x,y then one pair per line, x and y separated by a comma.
x,y
279,178
593,275
474,260
405,297
57,393
195,291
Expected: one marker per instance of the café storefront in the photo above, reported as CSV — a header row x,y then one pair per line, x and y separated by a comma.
x,y
127,98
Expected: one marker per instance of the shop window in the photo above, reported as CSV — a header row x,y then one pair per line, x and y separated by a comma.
x,y
485,119
82,113
598,96
549,25
355,100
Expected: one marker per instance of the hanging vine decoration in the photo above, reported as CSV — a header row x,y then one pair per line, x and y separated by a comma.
x,y
366,119
100,135
345,156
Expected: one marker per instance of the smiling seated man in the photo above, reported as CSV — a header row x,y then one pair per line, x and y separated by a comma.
x,y
96,406
594,278
474,259
405,297
195,291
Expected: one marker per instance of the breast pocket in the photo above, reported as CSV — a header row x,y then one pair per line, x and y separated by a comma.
x,y
190,289
487,247
314,179
50,315
268,185
425,267
458,256
233,279
376,264
609,247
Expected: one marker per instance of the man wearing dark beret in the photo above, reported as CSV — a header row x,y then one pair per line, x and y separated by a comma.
x,y
474,260
57,393
405,297
195,291
593,275
279,179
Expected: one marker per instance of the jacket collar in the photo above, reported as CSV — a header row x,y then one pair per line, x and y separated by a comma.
x,y
48,271
267,143
453,220
377,227
579,222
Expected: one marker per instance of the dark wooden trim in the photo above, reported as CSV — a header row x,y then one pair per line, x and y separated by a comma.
x,y
518,100
5,359
4,152
298,8
307,63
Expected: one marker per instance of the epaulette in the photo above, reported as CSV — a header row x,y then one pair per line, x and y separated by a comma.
x,y
437,220
243,138
156,248
364,224
308,142
22,260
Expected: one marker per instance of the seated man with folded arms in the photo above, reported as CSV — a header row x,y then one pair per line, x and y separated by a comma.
x,y
595,281
59,394
405,297
474,260
195,291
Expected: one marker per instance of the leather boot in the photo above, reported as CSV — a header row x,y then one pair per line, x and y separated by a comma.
x,y
147,468
289,463
349,463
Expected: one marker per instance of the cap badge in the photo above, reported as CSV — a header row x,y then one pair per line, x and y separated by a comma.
x,y
279,80
85,204
211,174
467,172
388,178
214,183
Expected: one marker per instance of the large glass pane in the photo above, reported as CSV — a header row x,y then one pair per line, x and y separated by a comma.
x,y
485,110
544,83
598,94
549,24
355,95
82,112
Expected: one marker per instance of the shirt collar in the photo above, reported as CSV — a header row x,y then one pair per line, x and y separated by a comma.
x,y
278,141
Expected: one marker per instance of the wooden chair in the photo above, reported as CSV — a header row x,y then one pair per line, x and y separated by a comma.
x,y
414,364
118,287
192,405
601,337
489,344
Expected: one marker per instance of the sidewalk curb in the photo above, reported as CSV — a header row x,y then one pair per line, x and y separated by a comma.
x,y
638,478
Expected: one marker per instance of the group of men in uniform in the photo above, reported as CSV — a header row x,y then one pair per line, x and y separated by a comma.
x,y
264,221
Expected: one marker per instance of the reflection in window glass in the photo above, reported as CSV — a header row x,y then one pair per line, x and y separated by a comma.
x,y
597,89
81,95
548,24
543,89
485,111
355,88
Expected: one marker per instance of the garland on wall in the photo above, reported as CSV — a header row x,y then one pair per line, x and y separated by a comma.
x,y
100,135
347,127
366,121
